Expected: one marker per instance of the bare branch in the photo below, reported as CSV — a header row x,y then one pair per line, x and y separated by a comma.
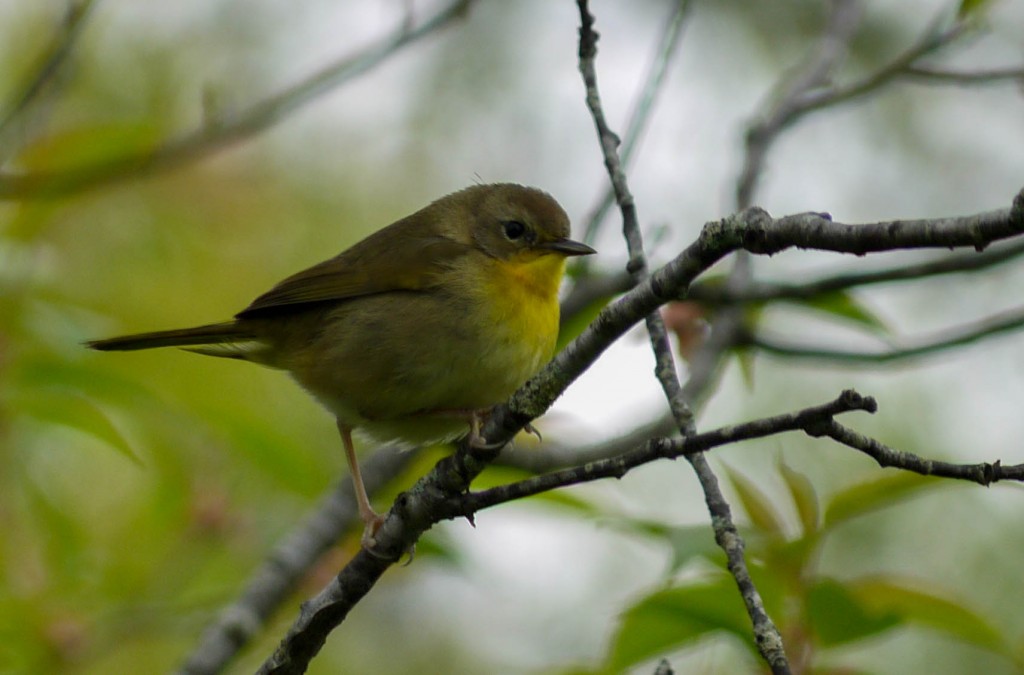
x,y
210,138
931,75
787,97
319,615
276,579
643,108
637,265
50,64
929,43
553,455
984,474
998,324
718,294
767,636
808,420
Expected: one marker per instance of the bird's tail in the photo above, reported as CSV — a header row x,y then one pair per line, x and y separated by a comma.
x,y
220,337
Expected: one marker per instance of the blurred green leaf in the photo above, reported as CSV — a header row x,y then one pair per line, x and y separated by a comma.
x,y
972,7
83,145
278,457
438,547
672,618
745,360
694,541
62,545
87,378
752,314
843,305
756,503
57,405
879,493
67,149
804,497
913,604
837,616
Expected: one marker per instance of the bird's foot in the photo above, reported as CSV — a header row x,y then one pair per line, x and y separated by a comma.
x,y
369,540
372,521
476,440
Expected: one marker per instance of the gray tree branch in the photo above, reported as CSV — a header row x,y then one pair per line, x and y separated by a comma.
x,y
998,324
222,132
767,636
277,578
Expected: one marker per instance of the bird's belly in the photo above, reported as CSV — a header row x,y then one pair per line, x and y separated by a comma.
x,y
418,378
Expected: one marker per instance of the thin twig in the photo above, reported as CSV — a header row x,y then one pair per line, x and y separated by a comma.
x,y
643,108
50,64
809,419
553,455
781,110
789,93
719,294
637,264
1004,322
985,473
604,287
592,288
929,43
213,137
932,75
767,636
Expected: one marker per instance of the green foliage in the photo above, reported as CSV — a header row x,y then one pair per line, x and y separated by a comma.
x,y
818,615
833,306
836,616
70,408
844,306
673,617
883,492
910,604
972,8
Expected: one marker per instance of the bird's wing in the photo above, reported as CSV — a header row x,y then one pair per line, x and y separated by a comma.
x,y
372,266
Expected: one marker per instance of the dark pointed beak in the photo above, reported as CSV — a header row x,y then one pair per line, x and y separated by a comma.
x,y
567,247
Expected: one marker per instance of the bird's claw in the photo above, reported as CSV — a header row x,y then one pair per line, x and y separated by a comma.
x,y
478,442
530,429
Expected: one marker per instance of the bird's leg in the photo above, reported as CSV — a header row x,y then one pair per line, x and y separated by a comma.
x,y
475,419
371,519
476,440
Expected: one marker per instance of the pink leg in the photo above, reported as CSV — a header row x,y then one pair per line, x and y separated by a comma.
x,y
371,519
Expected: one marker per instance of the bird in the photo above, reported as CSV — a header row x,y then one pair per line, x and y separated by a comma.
x,y
415,332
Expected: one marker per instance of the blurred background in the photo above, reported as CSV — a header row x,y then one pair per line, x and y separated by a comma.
x,y
138,491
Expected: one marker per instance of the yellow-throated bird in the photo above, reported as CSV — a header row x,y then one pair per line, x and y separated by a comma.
x,y
417,329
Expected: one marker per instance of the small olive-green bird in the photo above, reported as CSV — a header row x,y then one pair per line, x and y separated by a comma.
x,y
415,331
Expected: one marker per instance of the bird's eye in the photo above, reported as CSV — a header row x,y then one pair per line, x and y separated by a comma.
x,y
514,229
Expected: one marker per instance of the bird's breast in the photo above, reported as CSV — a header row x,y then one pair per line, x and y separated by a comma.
x,y
522,301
